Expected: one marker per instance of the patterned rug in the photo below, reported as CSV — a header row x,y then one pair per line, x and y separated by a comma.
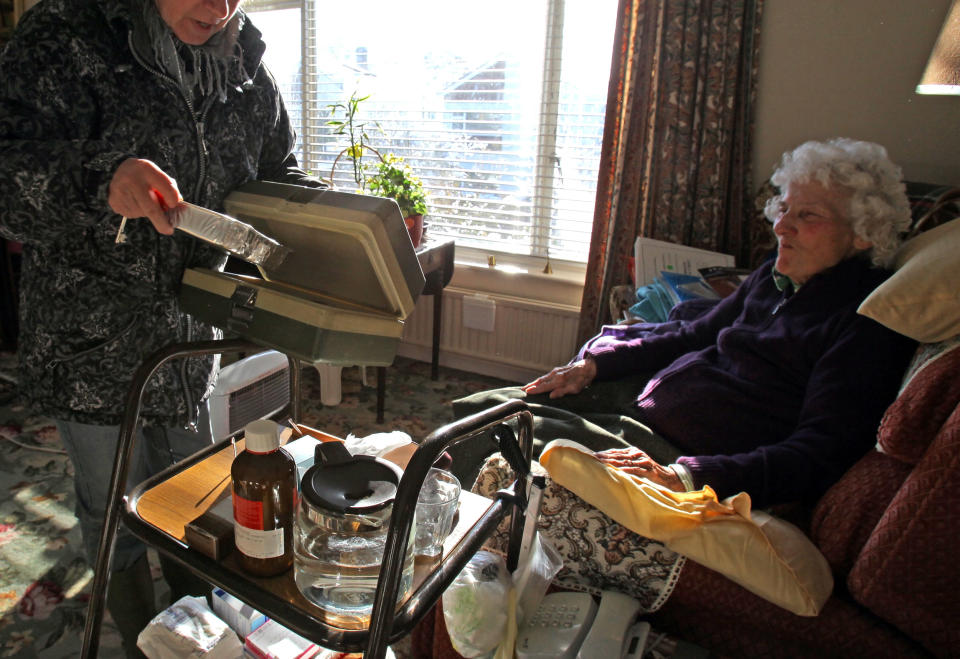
x,y
44,578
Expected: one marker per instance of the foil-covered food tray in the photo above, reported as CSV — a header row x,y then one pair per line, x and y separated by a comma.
x,y
238,238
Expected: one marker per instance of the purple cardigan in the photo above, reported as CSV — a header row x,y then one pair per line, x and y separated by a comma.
x,y
773,395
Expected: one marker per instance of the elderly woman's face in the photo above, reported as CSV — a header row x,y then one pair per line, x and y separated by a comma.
x,y
812,230
195,21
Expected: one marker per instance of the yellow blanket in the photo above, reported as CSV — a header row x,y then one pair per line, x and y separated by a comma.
x,y
767,556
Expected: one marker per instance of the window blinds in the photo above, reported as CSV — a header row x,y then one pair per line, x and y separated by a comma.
x,y
497,106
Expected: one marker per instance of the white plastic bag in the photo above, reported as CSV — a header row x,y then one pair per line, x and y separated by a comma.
x,y
538,560
188,628
533,576
474,605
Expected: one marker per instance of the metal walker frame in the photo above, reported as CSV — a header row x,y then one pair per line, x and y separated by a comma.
x,y
388,623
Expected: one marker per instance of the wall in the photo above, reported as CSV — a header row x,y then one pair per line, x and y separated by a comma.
x,y
849,68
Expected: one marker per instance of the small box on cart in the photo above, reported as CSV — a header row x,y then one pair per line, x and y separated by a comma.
x,y
242,618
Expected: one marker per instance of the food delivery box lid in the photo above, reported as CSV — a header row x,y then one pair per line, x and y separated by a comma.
x,y
344,246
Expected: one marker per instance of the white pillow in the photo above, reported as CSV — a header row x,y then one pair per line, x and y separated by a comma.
x,y
922,298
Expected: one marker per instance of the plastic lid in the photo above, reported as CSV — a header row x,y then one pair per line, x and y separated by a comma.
x,y
344,483
262,436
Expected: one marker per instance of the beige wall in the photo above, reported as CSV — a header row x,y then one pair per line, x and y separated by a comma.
x,y
848,68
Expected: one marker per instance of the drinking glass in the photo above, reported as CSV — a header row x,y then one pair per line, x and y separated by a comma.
x,y
436,507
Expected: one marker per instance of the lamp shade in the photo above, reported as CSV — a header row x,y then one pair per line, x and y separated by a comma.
x,y
942,75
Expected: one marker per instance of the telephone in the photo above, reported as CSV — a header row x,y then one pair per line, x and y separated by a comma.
x,y
571,625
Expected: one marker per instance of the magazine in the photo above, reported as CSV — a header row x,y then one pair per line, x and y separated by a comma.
x,y
682,287
723,279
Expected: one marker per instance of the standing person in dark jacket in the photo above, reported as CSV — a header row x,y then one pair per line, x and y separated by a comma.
x,y
780,387
113,109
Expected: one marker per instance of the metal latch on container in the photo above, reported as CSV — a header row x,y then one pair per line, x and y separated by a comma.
x,y
242,305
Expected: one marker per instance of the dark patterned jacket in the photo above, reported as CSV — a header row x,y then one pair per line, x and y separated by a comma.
x,y
75,101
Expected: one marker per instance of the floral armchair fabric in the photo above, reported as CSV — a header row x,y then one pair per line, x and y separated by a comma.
x,y
597,552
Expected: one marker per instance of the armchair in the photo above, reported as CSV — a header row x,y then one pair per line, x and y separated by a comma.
x,y
888,527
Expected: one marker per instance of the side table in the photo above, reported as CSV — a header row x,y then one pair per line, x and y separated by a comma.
x,y
436,261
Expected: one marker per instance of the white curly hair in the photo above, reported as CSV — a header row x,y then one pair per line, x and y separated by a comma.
x,y
879,211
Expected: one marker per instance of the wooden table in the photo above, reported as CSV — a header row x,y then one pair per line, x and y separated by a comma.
x,y
436,261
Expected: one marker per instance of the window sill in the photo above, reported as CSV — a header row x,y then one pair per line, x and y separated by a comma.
x,y
519,277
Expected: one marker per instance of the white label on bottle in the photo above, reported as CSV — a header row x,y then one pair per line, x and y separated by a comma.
x,y
258,544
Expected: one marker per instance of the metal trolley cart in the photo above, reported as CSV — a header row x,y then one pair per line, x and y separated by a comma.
x,y
278,597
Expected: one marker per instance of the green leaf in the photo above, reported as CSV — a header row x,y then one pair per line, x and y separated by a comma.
x,y
395,179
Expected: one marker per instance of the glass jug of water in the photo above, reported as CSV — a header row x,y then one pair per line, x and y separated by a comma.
x,y
340,533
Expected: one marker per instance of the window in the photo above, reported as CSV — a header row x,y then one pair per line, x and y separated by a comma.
x,y
498,106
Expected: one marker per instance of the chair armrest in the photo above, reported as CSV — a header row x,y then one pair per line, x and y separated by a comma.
x,y
847,514
906,572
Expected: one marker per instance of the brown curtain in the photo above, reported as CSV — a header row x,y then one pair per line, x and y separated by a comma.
x,y
676,147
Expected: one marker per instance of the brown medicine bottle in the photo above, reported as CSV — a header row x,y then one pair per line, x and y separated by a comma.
x,y
264,500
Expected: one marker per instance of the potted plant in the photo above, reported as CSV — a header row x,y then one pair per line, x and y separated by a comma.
x,y
356,132
394,178
389,177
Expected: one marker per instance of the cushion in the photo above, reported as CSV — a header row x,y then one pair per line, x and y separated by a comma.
x,y
930,392
767,556
921,299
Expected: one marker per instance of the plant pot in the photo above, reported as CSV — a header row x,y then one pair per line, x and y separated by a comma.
x,y
415,227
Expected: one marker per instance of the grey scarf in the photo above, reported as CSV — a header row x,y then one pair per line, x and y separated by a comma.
x,y
210,69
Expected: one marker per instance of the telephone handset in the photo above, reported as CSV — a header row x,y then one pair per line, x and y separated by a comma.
x,y
570,625
607,635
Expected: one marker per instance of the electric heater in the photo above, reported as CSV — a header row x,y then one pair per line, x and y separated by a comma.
x,y
249,389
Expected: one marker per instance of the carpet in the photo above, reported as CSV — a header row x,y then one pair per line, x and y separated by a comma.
x,y
45,580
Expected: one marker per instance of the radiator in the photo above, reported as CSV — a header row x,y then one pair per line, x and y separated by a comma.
x,y
528,338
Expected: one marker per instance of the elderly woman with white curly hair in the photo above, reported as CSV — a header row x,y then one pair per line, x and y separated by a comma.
x,y
779,388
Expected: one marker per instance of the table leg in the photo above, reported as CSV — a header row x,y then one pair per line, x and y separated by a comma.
x,y
437,317
381,391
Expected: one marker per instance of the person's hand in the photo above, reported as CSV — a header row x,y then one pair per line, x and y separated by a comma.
x,y
141,189
569,379
636,462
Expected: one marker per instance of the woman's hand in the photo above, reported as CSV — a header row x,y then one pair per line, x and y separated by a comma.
x,y
569,379
141,189
636,462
